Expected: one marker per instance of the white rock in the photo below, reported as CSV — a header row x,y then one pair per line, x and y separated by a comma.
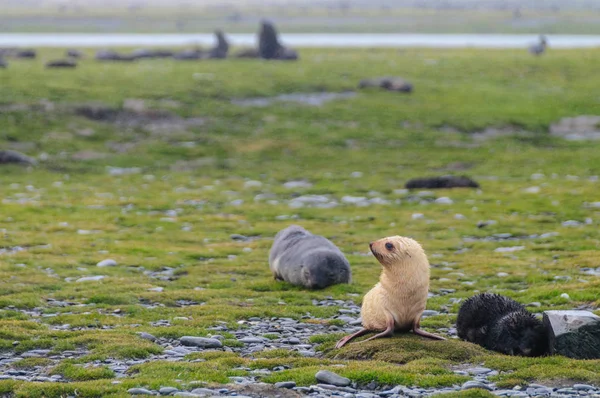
x,y
252,184
502,274
418,216
509,249
107,263
459,217
356,174
565,296
444,201
571,223
537,176
91,278
297,185
532,190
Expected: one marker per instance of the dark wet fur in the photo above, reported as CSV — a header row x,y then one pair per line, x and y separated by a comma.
x,y
308,260
501,324
442,182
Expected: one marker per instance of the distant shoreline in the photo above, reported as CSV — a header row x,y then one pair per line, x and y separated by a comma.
x,y
316,40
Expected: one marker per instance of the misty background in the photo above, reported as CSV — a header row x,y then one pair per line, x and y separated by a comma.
x,y
302,16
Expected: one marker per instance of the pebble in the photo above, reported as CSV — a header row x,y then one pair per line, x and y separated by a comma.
x,y
475,384
140,391
327,377
202,342
204,391
583,387
91,278
167,390
107,263
509,249
478,371
444,201
571,223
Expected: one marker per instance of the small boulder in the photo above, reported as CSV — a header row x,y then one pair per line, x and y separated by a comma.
x,y
387,83
72,53
441,182
327,377
574,334
14,157
203,342
107,263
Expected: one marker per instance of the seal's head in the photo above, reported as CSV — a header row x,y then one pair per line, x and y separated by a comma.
x,y
326,268
519,333
395,250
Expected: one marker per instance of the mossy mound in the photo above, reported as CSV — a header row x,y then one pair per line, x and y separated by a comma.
x,y
405,348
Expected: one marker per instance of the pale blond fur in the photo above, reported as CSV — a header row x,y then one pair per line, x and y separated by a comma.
x,y
402,288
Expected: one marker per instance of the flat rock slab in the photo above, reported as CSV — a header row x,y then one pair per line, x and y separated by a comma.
x,y
203,342
574,334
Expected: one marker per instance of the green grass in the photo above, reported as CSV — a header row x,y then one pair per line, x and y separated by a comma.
x,y
389,137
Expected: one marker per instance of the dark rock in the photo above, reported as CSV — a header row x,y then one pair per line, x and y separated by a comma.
x,y
74,53
441,182
574,334
3,63
286,384
202,342
238,237
387,83
61,63
14,157
327,377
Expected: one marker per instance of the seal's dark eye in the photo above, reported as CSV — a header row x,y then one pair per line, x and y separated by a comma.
x,y
389,246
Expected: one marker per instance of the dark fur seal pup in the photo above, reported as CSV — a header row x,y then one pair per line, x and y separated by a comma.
x,y
501,324
442,182
308,260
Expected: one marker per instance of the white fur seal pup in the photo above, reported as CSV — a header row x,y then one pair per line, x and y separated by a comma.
x,y
397,302
308,260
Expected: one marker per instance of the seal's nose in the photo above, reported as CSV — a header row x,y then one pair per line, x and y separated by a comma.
x,y
371,245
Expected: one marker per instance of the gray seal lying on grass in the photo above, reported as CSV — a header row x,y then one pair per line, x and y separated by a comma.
x,y
308,260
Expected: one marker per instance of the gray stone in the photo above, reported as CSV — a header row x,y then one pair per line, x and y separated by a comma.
x,y
187,394
203,392
583,387
479,371
539,391
168,390
140,391
327,377
147,336
285,384
251,340
202,342
91,278
475,384
107,263
574,334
